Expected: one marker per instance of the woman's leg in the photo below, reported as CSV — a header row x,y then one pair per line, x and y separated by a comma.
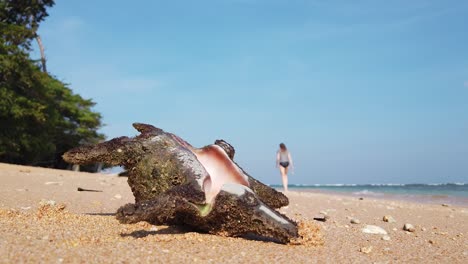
x,y
284,176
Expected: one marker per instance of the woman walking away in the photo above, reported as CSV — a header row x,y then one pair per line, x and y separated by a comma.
x,y
283,161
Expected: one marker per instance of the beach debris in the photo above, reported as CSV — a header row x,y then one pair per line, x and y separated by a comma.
x,y
445,205
321,217
175,183
21,190
389,219
87,190
386,238
366,250
372,229
118,196
361,198
354,221
409,228
25,207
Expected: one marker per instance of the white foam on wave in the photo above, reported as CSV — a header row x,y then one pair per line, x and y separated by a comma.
x,y
387,184
328,185
367,192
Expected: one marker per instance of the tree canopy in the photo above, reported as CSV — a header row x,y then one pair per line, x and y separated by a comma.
x,y
40,116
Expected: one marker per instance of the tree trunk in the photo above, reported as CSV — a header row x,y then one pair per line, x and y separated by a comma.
x,y
41,48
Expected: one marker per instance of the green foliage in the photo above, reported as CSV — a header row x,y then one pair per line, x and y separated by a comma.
x,y
19,20
40,117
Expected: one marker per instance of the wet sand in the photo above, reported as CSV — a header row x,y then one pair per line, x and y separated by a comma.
x,y
79,227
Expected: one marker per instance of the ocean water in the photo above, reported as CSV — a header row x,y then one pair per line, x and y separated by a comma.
x,y
450,193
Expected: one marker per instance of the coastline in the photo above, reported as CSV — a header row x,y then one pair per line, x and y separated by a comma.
x,y
85,230
430,199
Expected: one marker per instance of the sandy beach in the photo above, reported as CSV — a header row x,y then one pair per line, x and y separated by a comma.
x,y
44,219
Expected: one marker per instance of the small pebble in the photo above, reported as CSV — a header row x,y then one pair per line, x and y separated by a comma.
x,y
355,221
371,229
118,196
54,183
322,218
386,238
366,250
409,228
389,219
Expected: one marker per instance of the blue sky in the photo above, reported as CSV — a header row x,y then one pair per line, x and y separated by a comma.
x,y
360,91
